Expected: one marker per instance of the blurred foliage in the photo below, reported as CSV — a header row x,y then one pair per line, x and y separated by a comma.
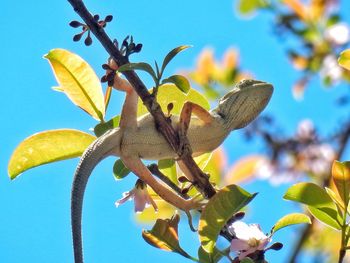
x,y
317,32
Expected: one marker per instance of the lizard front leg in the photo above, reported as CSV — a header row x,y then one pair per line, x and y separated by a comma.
x,y
183,125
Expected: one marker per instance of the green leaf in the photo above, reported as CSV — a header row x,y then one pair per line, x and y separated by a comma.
x,y
171,55
205,257
168,168
291,219
119,170
336,199
169,93
139,66
318,201
47,147
326,216
344,59
180,81
102,127
164,235
246,7
78,81
341,178
220,208
309,194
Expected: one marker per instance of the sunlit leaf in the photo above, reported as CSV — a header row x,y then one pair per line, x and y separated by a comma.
x,y
344,59
102,127
318,201
165,210
309,194
218,211
180,81
171,55
78,81
247,7
139,66
244,169
216,166
169,93
291,219
341,178
164,236
326,216
47,147
336,199
119,170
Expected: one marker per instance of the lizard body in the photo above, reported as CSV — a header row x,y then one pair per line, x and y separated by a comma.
x,y
136,139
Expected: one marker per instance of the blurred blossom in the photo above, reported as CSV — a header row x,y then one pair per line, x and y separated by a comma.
x,y
276,172
330,69
141,197
249,239
305,130
338,34
317,158
299,88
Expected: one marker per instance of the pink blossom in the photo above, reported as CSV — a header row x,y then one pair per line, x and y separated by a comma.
x,y
141,197
249,239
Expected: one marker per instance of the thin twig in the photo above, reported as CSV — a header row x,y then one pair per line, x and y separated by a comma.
x,y
202,182
155,171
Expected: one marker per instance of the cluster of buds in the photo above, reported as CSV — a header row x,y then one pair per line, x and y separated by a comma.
x,y
85,28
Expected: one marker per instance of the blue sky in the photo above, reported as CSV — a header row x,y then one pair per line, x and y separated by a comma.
x,y
35,208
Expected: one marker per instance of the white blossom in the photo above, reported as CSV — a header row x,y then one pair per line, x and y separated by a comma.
x,y
249,238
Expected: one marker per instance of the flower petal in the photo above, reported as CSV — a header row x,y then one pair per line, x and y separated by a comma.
x,y
126,197
238,245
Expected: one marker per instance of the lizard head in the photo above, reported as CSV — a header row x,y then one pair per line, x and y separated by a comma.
x,y
244,103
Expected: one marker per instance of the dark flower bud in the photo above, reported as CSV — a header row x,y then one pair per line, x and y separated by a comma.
x,y
96,18
88,40
138,48
106,66
75,24
131,46
77,37
239,215
104,79
185,191
108,18
170,107
182,179
276,246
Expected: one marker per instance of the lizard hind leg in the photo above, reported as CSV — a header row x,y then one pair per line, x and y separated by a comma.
x,y
138,168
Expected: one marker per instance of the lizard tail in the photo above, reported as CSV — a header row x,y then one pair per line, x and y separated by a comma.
x,y
101,148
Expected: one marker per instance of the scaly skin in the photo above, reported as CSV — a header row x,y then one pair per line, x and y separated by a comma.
x,y
235,110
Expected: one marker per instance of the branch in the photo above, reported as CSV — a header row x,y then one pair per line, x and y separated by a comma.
x,y
343,141
202,182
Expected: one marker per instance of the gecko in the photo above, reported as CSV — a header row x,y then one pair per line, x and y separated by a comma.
x,y
138,138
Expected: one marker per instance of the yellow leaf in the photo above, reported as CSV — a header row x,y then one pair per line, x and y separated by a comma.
x,y
169,93
78,81
298,8
344,59
341,178
46,147
244,169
